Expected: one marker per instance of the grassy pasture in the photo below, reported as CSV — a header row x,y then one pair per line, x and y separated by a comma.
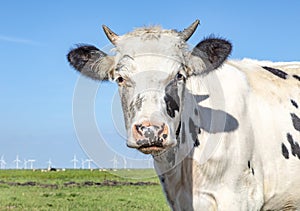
x,y
80,190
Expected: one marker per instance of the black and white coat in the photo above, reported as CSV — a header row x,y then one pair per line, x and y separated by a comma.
x,y
224,134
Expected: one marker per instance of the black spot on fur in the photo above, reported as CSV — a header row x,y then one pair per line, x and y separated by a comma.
x,y
196,143
135,105
284,151
276,72
296,121
297,77
251,168
171,98
196,111
194,132
139,102
124,103
294,146
294,103
161,178
178,130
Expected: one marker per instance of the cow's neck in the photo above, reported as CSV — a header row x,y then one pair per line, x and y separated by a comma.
x,y
172,166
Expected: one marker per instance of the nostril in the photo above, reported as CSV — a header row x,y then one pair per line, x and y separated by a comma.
x,y
162,130
138,129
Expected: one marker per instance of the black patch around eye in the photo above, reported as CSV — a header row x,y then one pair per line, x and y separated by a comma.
x,y
294,103
276,72
296,121
284,151
297,77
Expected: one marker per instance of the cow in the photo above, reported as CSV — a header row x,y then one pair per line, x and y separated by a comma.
x,y
224,134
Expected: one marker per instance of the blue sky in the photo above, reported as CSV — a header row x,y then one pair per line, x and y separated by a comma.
x,y
37,84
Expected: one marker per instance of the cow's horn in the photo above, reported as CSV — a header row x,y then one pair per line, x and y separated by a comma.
x,y
113,37
188,32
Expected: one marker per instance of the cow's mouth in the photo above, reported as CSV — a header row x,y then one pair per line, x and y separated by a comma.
x,y
154,149
151,146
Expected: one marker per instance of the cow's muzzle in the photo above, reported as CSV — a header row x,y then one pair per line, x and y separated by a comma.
x,y
150,138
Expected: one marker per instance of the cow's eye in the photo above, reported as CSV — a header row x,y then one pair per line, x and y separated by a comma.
x,y
120,80
179,77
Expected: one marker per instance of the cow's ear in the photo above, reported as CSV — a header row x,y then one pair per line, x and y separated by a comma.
x,y
209,54
91,62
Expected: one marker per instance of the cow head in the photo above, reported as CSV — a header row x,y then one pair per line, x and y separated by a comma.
x,y
151,66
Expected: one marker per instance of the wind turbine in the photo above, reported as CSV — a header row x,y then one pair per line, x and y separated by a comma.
x,y
125,162
25,163
17,161
31,163
2,162
74,160
89,163
115,162
49,163
82,163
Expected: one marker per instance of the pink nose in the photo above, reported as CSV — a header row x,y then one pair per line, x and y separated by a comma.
x,y
147,134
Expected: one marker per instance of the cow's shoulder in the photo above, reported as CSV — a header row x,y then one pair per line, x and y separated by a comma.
x,y
273,81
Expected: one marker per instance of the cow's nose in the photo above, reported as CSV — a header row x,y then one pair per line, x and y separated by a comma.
x,y
148,134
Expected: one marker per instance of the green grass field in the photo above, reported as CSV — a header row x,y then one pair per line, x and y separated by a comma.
x,y
80,190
